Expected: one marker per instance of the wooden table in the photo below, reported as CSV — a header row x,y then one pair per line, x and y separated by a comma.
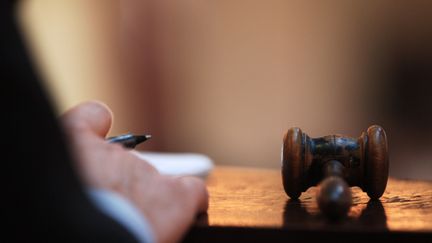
x,y
248,204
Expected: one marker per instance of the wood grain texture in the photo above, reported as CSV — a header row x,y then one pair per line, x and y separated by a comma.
x,y
247,200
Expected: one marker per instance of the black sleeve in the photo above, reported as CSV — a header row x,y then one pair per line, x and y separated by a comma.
x,y
43,199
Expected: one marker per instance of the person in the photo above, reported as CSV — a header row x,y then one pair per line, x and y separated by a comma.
x,y
63,182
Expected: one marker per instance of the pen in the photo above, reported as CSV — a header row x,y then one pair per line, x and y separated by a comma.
x,y
129,140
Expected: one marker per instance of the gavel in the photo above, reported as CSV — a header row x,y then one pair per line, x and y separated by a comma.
x,y
336,163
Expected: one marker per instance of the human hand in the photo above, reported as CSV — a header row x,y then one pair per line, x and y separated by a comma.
x,y
170,204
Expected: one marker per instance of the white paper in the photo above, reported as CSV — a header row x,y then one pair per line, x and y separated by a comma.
x,y
178,164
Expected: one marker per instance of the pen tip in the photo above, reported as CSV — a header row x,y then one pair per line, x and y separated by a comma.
x,y
141,138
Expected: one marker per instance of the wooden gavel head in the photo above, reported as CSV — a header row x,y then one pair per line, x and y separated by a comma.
x,y
337,162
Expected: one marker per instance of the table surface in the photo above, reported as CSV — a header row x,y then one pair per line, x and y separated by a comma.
x,y
247,200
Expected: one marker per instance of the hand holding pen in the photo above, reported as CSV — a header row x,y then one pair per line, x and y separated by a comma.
x,y
99,164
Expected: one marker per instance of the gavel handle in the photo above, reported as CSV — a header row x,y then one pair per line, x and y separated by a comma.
x,y
334,195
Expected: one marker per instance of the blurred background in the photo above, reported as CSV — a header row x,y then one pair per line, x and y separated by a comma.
x,y
228,78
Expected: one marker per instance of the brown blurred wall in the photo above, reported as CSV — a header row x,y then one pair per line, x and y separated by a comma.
x,y
233,75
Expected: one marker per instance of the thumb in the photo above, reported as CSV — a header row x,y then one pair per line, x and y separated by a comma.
x,y
91,116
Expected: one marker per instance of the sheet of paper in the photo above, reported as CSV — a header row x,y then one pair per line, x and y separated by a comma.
x,y
178,164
